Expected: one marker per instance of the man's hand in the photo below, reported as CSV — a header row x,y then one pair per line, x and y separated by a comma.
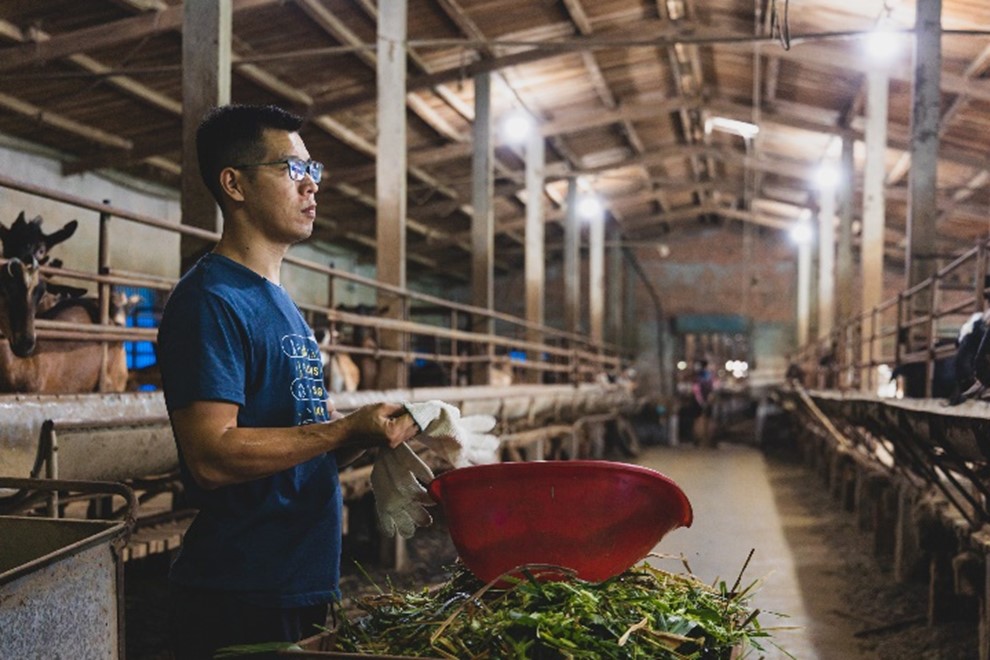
x,y
378,425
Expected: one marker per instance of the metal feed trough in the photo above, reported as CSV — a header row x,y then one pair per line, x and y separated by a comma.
x,y
96,437
61,580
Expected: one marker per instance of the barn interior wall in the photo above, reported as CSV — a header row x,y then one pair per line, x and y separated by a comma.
x,y
130,243
709,271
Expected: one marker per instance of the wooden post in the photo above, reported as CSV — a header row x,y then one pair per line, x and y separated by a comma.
x,y
613,284
596,278
104,293
907,551
390,192
483,222
206,41
844,294
572,260
535,245
826,263
804,292
922,187
390,183
871,251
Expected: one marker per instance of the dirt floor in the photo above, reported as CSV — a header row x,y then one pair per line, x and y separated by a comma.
x,y
885,620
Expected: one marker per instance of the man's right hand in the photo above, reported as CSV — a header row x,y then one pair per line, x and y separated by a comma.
x,y
379,425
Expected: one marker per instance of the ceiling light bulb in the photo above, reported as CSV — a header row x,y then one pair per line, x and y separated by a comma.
x,y
517,127
801,232
827,176
590,207
882,44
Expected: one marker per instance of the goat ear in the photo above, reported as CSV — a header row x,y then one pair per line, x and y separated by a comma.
x,y
62,234
4,231
65,292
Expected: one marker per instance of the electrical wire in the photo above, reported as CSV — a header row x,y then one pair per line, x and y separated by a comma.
x,y
780,25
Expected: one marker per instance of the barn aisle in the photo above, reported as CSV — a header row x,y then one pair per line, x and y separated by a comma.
x,y
736,508
817,567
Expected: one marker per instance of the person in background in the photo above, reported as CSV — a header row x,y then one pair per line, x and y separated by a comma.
x,y
702,394
794,374
259,442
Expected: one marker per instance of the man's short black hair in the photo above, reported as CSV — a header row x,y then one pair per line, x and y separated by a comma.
x,y
232,134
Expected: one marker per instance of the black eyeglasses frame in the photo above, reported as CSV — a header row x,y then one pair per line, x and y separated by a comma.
x,y
297,167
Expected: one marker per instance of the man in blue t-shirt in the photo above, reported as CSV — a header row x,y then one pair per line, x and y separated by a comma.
x,y
259,443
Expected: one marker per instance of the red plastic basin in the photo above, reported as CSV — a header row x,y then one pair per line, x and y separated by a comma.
x,y
597,518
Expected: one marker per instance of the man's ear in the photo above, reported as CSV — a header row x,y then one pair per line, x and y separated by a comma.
x,y
230,184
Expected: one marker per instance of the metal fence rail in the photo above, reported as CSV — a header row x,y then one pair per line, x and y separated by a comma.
x,y
503,340
917,326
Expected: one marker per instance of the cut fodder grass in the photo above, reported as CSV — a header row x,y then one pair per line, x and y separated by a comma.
x,y
543,612
644,612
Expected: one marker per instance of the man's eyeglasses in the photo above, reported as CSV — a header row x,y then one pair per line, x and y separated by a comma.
x,y
298,168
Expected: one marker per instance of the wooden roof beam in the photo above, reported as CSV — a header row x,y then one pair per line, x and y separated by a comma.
x,y
336,28
562,123
821,55
468,27
580,18
897,136
125,84
535,54
104,36
53,120
973,71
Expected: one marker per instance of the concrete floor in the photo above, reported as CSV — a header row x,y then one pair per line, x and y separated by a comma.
x,y
741,502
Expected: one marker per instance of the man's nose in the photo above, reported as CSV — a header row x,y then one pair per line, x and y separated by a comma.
x,y
308,183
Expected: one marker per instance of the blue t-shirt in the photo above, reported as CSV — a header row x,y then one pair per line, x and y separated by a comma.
x,y
228,334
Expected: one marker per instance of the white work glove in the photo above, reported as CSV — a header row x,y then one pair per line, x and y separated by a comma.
x,y
461,441
400,498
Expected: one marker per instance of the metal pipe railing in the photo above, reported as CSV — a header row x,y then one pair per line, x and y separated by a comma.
x,y
921,317
558,351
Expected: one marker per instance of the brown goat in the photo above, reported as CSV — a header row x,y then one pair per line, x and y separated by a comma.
x,y
48,366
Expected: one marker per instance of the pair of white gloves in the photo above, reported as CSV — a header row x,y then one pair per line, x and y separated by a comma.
x,y
398,474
